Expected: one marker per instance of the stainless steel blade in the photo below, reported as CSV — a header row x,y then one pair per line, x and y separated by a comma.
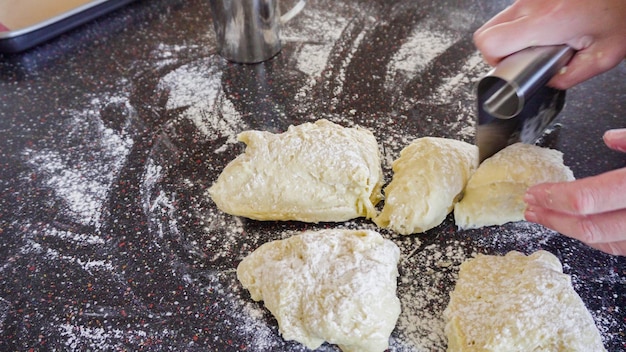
x,y
514,104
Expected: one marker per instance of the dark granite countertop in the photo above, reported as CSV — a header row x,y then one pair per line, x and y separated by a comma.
x,y
111,134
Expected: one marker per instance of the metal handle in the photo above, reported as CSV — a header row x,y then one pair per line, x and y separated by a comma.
x,y
509,85
293,12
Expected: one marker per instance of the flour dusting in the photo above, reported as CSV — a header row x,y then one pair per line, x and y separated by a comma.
x,y
424,285
197,87
315,283
315,44
164,258
37,242
82,175
424,45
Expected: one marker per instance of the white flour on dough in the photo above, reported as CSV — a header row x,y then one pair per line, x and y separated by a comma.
x,y
518,303
428,179
329,285
313,172
494,194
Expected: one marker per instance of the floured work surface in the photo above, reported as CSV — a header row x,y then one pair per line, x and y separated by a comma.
x,y
312,282
109,239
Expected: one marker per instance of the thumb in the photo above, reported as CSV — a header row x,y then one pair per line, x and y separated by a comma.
x,y
616,139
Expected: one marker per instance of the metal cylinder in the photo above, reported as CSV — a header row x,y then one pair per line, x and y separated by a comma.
x,y
518,77
248,31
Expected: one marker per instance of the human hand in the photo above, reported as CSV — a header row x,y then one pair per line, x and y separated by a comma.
x,y
597,29
592,209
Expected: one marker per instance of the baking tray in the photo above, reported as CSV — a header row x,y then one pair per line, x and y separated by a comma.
x,y
27,23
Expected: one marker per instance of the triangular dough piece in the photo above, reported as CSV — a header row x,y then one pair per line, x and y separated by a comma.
x,y
330,285
494,194
518,303
313,172
428,179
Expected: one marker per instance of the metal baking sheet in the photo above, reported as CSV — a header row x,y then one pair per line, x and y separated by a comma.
x,y
27,23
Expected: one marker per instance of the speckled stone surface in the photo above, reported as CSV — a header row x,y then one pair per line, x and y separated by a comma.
x,y
111,134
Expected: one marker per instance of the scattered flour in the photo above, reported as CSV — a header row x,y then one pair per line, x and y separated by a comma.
x,y
165,54
197,87
426,277
452,87
82,174
316,35
36,244
80,337
424,45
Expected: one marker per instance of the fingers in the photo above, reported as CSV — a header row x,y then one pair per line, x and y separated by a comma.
x,y
593,60
591,195
592,210
506,15
488,37
596,229
522,25
494,47
616,139
591,30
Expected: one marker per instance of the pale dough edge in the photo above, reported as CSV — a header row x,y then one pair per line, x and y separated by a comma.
x,y
494,193
233,192
463,313
380,298
440,167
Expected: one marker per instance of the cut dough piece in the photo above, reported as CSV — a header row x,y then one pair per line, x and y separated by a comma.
x,y
518,303
330,285
494,194
312,172
428,179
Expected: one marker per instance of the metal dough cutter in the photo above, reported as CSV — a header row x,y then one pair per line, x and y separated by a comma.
x,y
514,103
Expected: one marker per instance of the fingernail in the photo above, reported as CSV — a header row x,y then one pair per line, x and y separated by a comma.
x,y
615,133
530,199
530,215
612,136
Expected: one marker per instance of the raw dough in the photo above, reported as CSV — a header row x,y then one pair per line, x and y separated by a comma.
x,y
312,172
428,179
494,194
518,303
331,285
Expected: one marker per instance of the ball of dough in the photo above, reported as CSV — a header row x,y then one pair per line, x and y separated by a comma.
x,y
428,178
494,194
312,172
331,285
518,303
